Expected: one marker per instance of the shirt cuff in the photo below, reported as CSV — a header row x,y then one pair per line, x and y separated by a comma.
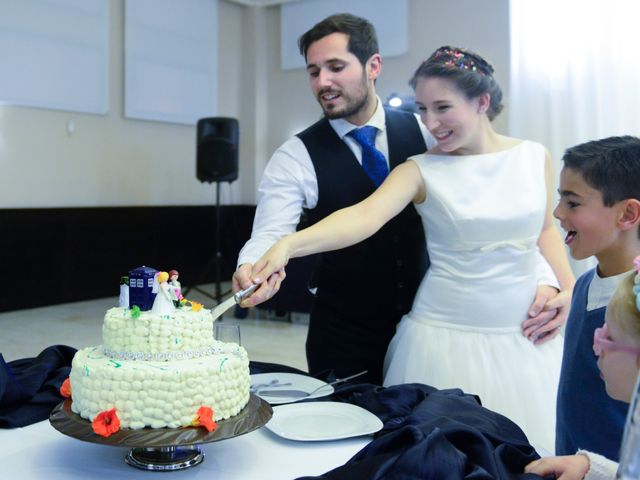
x,y
251,253
600,468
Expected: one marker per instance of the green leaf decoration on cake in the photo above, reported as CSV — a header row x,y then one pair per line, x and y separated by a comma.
x,y
116,364
135,311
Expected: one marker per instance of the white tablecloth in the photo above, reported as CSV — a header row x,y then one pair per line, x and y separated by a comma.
x,y
41,452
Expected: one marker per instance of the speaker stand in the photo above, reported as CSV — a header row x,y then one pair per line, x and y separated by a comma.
x,y
217,259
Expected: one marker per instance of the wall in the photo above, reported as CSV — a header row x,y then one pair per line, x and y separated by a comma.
x,y
42,163
481,25
149,163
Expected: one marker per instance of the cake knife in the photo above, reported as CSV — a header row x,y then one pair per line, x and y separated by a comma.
x,y
300,394
234,299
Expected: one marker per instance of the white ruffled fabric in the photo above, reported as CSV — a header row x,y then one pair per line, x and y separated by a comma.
x,y
511,375
482,217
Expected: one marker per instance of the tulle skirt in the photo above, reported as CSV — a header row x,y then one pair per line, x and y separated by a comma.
x,y
510,374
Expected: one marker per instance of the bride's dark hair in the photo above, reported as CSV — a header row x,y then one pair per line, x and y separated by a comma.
x,y
471,74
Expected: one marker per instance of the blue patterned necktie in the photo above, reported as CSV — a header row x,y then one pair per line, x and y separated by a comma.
x,y
373,161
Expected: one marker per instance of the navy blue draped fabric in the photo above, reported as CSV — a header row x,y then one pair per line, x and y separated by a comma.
x,y
29,387
433,434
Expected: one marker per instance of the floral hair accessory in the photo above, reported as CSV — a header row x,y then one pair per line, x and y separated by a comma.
x,y
636,281
456,58
106,423
204,418
65,388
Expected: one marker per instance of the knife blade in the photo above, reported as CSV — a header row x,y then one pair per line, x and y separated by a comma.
x,y
286,393
231,301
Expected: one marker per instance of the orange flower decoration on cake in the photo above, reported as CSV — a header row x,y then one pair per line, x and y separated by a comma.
x,y
195,306
65,388
204,418
106,423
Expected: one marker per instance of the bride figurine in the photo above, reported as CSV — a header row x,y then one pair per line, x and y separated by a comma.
x,y
163,303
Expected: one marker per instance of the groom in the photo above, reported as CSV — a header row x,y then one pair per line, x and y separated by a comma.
x,y
364,290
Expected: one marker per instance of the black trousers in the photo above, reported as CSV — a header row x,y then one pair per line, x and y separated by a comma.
x,y
348,340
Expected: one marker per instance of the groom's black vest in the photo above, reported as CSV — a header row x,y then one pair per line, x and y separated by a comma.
x,y
377,278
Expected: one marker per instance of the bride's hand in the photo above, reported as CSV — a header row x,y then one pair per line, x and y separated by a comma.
x,y
547,314
267,289
273,261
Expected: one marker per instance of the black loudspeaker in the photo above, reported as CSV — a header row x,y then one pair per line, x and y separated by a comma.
x,y
217,150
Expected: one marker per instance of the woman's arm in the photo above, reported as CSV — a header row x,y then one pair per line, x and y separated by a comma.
x,y
350,225
552,248
550,241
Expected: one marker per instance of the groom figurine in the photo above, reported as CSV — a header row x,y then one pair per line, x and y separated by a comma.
x,y
362,291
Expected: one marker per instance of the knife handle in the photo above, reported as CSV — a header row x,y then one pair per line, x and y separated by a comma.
x,y
239,296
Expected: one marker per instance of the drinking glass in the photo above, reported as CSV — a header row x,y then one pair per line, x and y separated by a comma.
x,y
227,333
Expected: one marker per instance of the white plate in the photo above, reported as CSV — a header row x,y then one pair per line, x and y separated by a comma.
x,y
287,381
322,421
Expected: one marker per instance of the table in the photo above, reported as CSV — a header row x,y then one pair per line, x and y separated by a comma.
x,y
39,451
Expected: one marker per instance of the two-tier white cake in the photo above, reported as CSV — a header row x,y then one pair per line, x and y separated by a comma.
x,y
159,370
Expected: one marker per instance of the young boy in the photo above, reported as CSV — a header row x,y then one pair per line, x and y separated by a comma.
x,y
617,345
600,210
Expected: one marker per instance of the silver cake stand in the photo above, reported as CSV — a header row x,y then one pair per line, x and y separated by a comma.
x,y
163,459
163,449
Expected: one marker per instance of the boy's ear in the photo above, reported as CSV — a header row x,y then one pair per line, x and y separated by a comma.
x,y
630,214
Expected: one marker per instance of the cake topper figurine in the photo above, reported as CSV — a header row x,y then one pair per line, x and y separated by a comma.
x,y
141,292
176,288
163,303
123,300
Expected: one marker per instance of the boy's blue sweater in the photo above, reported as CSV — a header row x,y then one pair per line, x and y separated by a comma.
x,y
587,418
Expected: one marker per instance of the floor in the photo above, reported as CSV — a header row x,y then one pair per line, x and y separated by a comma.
x,y
25,333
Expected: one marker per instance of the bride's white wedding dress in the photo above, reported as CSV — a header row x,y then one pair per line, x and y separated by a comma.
x,y
482,215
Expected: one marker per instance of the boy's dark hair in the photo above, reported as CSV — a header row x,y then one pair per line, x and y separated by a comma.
x,y
363,41
610,165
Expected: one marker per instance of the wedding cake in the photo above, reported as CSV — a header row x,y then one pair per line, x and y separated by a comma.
x,y
159,370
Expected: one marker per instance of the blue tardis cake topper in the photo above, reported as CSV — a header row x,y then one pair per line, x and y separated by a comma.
x,y
141,286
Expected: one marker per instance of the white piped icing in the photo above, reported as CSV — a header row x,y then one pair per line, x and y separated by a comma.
x,y
154,381
183,330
